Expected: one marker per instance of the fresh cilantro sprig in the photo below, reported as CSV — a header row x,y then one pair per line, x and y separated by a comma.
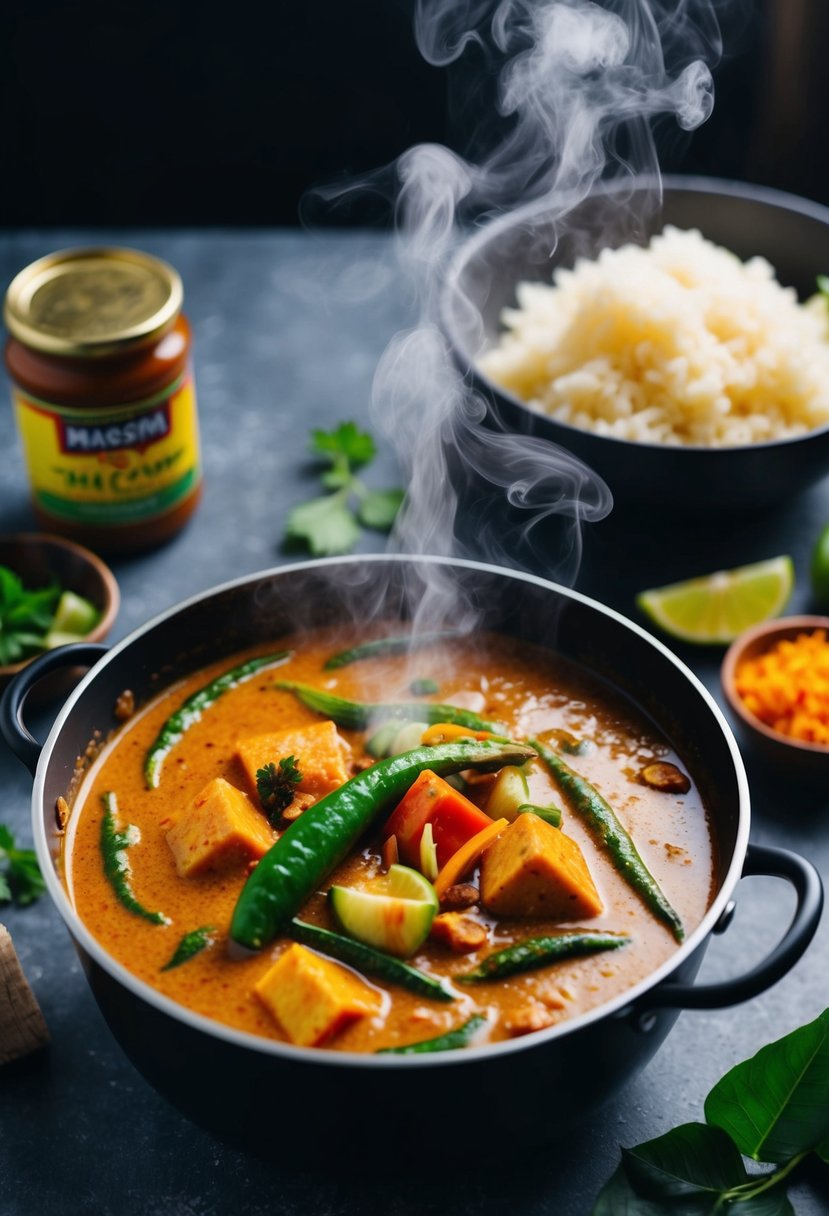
x,y
331,524
20,876
773,1108
275,786
25,616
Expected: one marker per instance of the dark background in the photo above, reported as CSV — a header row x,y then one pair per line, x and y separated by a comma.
x,y
160,112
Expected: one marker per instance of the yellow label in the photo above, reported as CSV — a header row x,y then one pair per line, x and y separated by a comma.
x,y
113,466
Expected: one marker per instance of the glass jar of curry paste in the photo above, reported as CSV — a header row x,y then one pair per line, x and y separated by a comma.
x,y
99,356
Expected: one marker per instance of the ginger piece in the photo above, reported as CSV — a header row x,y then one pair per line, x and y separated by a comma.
x,y
533,869
460,933
219,829
22,1026
313,998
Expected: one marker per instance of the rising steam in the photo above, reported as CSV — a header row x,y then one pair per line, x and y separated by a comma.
x,y
580,85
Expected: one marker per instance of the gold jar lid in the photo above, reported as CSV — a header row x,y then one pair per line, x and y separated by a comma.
x,y
87,302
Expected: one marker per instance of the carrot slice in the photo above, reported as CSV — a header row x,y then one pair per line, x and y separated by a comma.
x,y
467,855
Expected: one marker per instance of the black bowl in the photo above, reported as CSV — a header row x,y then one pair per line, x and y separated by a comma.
x,y
237,1084
529,243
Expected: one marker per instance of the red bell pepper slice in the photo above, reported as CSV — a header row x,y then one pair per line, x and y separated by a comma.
x,y
453,817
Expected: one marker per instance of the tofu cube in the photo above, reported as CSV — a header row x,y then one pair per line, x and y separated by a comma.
x,y
220,828
533,869
312,998
321,755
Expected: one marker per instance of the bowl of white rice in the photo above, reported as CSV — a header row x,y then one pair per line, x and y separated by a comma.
x,y
680,350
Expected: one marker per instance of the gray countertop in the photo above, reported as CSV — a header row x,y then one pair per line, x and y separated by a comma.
x,y
288,330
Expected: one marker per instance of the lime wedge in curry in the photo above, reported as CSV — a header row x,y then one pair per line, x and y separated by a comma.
x,y
718,607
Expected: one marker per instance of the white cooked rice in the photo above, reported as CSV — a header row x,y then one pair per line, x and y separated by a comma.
x,y
676,343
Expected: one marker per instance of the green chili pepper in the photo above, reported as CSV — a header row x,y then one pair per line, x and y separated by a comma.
x,y
114,845
357,715
540,952
369,960
461,1036
306,853
395,645
191,711
190,945
603,821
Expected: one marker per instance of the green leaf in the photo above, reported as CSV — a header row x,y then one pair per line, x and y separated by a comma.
x,y
618,1198
325,524
773,1202
337,478
25,616
20,877
11,588
379,508
345,440
275,786
690,1159
776,1104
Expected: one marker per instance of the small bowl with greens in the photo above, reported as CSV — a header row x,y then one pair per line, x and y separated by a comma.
x,y
52,592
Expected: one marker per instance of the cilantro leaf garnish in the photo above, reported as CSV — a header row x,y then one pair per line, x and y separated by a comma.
x,y
25,616
331,524
20,876
275,786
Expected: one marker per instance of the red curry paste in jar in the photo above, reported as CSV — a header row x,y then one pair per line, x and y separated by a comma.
x,y
99,356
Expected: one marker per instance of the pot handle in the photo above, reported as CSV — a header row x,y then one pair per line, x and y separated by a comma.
x,y
777,863
21,740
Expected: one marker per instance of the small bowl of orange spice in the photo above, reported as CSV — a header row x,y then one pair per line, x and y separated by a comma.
x,y
776,679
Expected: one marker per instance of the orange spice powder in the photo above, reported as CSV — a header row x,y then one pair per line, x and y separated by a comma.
x,y
787,688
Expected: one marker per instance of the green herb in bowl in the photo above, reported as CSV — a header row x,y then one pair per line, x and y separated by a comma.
x,y
33,619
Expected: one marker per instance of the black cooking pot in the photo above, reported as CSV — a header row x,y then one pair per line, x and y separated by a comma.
x,y
269,1096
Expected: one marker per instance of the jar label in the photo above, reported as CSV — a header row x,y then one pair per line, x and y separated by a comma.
x,y
108,467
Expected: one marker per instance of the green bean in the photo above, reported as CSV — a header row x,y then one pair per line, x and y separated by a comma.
x,y
540,952
368,960
614,837
395,645
306,853
357,715
461,1036
191,711
114,845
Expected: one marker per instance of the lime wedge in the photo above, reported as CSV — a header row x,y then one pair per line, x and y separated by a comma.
x,y
398,920
74,614
61,637
720,606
